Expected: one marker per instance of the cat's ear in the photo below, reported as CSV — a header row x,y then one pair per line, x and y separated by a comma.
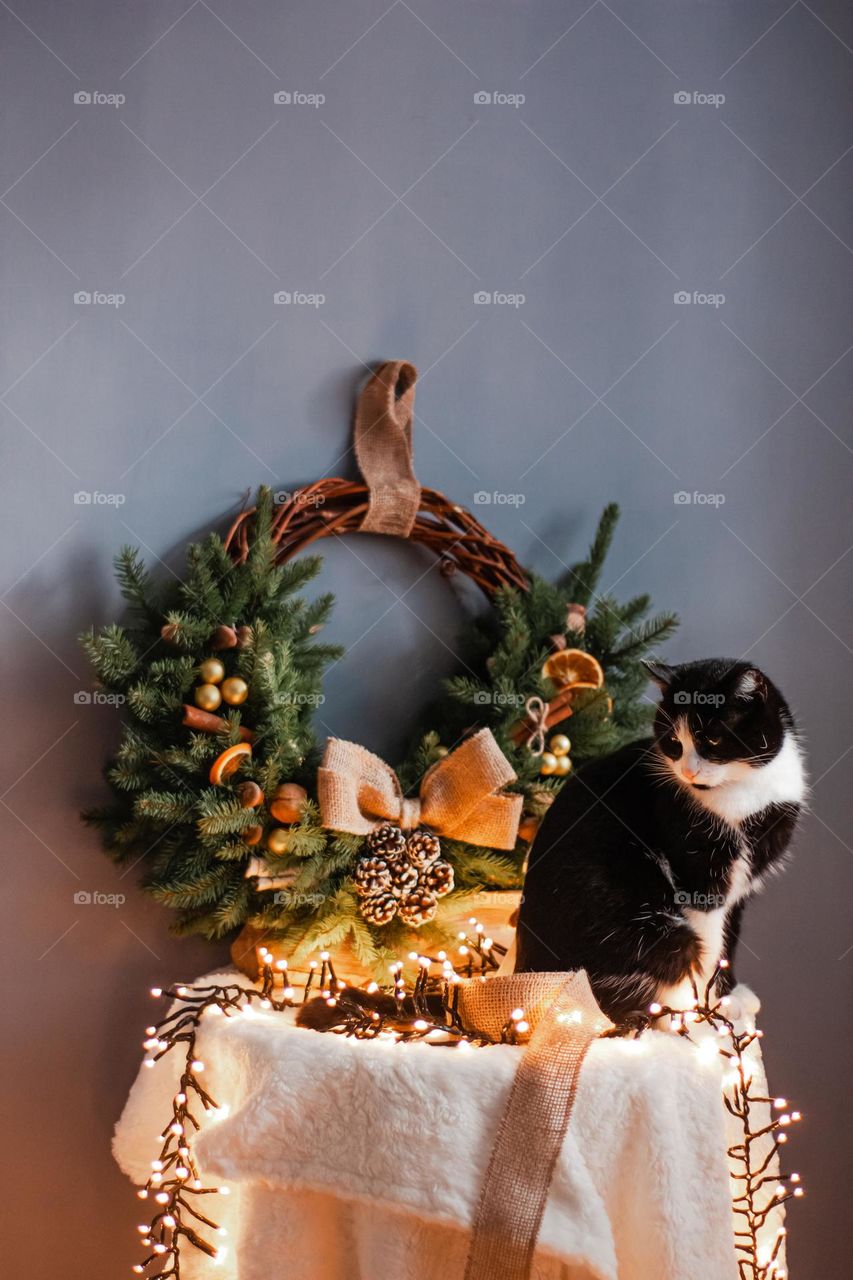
x,y
660,673
750,685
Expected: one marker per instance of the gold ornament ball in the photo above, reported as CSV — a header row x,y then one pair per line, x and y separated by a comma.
x,y
564,766
235,691
548,763
278,841
560,744
211,671
208,697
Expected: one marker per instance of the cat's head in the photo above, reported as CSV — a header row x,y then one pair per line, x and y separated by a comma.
x,y
717,721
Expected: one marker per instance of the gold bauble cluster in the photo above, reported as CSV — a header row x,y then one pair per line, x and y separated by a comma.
x,y
555,761
215,688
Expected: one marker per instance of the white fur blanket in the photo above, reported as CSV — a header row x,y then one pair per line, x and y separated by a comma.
x,y
355,1160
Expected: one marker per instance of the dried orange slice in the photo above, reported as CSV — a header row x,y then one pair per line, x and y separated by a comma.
x,y
573,668
229,762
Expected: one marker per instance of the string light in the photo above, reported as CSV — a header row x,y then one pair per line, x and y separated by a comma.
x,y
759,1187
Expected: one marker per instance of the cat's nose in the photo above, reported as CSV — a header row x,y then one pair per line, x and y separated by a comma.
x,y
690,774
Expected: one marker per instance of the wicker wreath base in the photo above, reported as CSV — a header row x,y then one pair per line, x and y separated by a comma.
x,y
335,506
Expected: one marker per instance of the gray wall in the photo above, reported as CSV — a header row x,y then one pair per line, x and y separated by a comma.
x,y
398,199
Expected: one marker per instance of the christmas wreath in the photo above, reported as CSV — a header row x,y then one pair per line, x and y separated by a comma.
x,y
221,793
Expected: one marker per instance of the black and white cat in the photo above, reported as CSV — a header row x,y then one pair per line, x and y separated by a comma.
x,y
642,866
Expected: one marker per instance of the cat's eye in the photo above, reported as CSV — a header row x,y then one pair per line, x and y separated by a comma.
x,y
713,742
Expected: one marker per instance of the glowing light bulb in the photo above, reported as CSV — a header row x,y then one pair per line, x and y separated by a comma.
x,y
143,1228
324,955
181,991
156,1178
148,1062
421,1025
281,965
654,1007
780,1103
180,1098
522,1026
151,1031
798,1191
168,1221
225,1191
156,991
162,1197
142,1193
517,1014
197,1064
156,1164
288,993
159,1248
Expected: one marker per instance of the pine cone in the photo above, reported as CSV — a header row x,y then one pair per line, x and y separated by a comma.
x,y
371,875
437,878
379,908
418,908
404,877
386,840
422,848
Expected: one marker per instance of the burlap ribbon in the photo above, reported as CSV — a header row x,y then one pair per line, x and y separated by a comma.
x,y
459,796
566,1019
383,449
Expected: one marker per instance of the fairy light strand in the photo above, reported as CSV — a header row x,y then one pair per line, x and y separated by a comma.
x,y
426,1008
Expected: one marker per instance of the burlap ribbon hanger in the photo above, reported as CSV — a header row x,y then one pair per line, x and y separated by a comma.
x,y
383,449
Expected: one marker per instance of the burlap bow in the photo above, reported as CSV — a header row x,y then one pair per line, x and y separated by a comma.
x,y
458,798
